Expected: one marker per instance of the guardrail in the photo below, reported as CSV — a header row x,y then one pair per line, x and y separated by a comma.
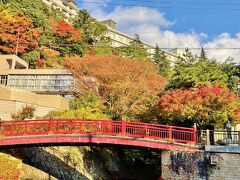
x,y
213,137
98,127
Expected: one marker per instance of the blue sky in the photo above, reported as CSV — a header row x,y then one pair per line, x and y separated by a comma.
x,y
176,23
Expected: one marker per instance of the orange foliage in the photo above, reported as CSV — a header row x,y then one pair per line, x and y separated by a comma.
x,y
205,105
119,81
65,30
49,53
40,63
20,29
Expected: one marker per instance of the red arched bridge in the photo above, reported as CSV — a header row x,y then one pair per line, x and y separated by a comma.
x,y
77,131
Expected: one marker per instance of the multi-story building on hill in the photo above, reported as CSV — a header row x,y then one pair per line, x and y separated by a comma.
x,y
69,7
121,39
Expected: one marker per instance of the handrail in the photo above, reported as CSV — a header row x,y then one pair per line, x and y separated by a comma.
x,y
119,128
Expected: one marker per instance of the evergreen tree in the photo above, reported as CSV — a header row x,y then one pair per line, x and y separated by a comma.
x,y
163,64
191,71
203,54
188,57
93,31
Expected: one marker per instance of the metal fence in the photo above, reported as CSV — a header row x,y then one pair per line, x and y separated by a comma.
x,y
213,137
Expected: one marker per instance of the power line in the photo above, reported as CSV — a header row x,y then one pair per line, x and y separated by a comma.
x,y
162,7
110,47
184,2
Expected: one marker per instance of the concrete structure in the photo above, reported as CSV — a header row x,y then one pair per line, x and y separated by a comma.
x,y
12,62
200,165
42,81
13,100
69,7
121,39
14,76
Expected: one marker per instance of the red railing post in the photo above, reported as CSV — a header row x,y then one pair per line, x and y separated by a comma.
x,y
50,126
57,128
80,128
146,130
74,126
123,128
170,133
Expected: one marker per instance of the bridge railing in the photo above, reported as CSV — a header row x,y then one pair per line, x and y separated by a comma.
x,y
98,127
214,137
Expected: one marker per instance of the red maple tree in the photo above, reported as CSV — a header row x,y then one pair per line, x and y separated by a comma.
x,y
121,83
17,33
206,105
65,30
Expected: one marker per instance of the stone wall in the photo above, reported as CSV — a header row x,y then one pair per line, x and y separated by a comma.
x,y
198,166
228,167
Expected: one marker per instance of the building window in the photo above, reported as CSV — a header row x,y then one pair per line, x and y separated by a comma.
x,y
3,80
42,83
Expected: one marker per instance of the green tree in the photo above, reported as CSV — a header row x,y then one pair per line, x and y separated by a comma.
x,y
88,106
92,30
41,14
203,54
192,71
232,70
135,50
163,64
31,57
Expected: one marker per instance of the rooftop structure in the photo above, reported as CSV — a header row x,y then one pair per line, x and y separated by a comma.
x,y
12,62
69,7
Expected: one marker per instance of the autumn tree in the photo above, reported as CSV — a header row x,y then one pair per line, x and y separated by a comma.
x,y
205,106
121,83
67,39
17,33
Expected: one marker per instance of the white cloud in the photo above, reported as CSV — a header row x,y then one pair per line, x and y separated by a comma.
x,y
138,15
151,25
224,40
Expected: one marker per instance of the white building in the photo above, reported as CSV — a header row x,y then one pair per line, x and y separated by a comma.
x,y
120,39
69,7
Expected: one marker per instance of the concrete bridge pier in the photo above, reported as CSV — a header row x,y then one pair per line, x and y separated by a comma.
x,y
175,166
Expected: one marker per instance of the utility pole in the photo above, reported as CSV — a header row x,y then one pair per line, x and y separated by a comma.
x,y
18,34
